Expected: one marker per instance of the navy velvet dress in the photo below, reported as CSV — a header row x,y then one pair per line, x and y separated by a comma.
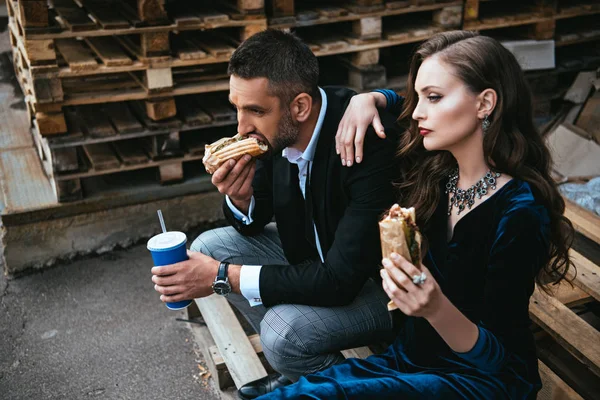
x,y
487,271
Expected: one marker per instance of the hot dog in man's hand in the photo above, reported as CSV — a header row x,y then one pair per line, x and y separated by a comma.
x,y
231,148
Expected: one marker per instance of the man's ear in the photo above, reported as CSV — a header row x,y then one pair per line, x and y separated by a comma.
x,y
301,107
487,103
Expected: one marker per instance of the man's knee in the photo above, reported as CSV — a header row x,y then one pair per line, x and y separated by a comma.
x,y
289,347
213,241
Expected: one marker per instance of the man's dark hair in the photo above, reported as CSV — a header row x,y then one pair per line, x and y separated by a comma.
x,y
289,65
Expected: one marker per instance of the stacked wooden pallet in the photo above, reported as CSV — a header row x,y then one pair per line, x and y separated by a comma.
x,y
107,82
540,17
110,85
76,57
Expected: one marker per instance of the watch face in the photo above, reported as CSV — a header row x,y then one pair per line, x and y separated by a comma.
x,y
222,287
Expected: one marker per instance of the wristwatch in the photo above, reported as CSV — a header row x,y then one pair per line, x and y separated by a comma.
x,y
221,284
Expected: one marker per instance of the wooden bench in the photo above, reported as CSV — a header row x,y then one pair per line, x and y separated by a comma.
x,y
235,358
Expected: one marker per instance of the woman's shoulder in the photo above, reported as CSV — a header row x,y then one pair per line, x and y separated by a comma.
x,y
518,206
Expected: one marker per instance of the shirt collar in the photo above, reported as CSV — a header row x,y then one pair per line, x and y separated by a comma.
x,y
308,154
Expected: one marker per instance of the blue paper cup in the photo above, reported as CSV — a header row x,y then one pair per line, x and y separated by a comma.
x,y
169,248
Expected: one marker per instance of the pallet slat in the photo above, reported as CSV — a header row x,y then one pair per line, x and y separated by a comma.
x,y
244,365
109,51
583,220
573,333
76,54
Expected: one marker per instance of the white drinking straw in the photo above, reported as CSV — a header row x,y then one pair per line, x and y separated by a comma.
x,y
162,222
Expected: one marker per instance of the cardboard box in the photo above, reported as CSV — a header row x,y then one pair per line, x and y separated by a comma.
x,y
574,156
532,54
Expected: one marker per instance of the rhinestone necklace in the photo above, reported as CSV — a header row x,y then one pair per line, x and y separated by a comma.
x,y
460,198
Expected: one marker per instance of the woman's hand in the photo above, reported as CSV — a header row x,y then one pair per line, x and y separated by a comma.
x,y
417,300
360,113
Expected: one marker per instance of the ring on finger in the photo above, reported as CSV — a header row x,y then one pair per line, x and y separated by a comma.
x,y
419,279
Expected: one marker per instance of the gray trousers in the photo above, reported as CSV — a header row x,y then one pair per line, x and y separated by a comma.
x,y
299,339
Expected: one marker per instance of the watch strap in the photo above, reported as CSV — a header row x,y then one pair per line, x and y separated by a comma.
x,y
222,271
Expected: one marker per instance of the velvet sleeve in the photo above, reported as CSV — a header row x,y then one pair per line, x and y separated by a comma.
x,y
394,101
518,252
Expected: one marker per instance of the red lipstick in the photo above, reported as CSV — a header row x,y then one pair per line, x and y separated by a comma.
x,y
424,131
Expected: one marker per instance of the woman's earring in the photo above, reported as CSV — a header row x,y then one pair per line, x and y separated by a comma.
x,y
485,125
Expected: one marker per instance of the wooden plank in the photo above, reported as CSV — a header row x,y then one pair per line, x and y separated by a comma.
x,y
328,43
581,87
215,46
50,123
588,275
367,28
95,122
167,124
106,15
571,296
130,152
589,119
39,51
122,118
33,13
152,11
554,388
363,58
358,352
65,159
155,44
219,111
586,222
282,8
14,125
237,351
367,77
158,78
158,109
101,156
109,51
76,54
74,17
74,124
170,173
191,112
161,147
47,90
566,327
24,184
187,48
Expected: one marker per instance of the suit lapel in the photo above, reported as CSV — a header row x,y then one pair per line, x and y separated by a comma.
x,y
320,165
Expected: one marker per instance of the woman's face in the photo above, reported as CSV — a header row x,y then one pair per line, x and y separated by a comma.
x,y
446,110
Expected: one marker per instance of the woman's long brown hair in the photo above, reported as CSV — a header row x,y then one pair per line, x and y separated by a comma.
x,y
512,144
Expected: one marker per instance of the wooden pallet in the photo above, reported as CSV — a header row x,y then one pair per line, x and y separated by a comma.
x,y
539,15
54,19
319,13
119,137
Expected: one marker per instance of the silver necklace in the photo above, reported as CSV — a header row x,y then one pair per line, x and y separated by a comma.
x,y
460,198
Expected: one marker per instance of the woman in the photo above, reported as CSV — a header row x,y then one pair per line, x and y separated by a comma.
x,y
492,217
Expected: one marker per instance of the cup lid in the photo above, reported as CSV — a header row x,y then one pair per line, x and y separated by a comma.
x,y
167,240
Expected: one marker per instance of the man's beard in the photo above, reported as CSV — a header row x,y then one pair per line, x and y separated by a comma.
x,y
287,134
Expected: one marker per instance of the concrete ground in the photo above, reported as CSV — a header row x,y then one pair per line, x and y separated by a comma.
x,y
96,329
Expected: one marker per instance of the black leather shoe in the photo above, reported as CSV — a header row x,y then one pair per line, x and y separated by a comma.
x,y
262,386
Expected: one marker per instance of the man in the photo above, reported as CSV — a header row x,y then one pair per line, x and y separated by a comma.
x,y
306,285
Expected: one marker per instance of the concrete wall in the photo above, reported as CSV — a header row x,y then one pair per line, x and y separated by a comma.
x,y
41,244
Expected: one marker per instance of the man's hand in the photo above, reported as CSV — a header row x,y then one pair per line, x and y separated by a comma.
x,y
186,280
234,179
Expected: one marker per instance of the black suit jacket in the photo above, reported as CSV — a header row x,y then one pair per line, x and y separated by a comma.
x,y
347,204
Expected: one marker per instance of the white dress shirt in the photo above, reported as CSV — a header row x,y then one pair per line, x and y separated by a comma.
x,y
250,274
